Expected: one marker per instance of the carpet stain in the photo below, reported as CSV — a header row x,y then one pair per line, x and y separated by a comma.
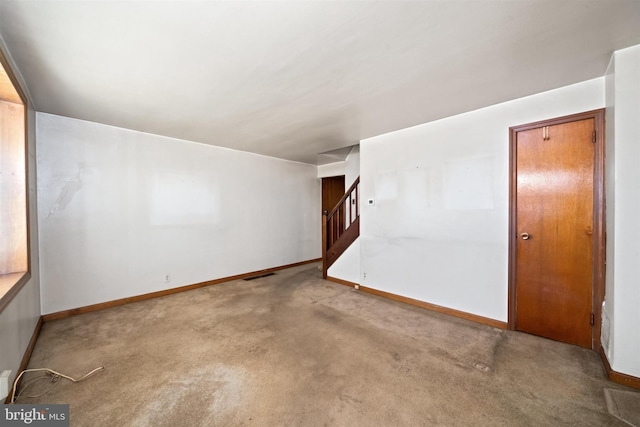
x,y
481,367
293,349
213,395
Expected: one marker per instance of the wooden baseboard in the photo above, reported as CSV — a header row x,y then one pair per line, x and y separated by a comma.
x,y
108,304
433,307
618,377
342,282
27,354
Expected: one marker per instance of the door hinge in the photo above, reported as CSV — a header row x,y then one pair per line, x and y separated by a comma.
x,y
593,137
593,319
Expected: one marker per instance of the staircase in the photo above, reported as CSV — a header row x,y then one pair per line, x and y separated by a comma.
x,y
340,227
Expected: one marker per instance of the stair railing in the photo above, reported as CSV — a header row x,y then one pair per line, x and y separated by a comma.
x,y
341,226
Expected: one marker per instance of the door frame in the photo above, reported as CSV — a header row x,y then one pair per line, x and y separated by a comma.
x,y
599,242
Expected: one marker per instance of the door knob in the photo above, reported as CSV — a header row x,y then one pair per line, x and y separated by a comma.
x,y
525,236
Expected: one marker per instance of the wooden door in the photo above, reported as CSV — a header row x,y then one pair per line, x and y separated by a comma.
x,y
332,191
553,230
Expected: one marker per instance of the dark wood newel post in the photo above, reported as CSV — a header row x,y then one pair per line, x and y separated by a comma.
x,y
324,244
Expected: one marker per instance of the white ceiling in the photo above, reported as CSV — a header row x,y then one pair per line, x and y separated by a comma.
x,y
294,79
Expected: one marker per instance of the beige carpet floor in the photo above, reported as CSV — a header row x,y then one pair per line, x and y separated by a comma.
x,y
292,349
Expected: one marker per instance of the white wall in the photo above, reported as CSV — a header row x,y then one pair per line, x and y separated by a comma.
x,y
610,200
119,210
347,266
19,318
438,230
352,167
621,331
331,169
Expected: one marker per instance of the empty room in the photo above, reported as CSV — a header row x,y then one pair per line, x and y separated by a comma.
x,y
320,213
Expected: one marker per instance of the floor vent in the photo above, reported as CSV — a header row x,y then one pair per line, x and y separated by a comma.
x,y
259,277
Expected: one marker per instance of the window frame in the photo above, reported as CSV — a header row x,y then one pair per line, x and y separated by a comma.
x,y
17,280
